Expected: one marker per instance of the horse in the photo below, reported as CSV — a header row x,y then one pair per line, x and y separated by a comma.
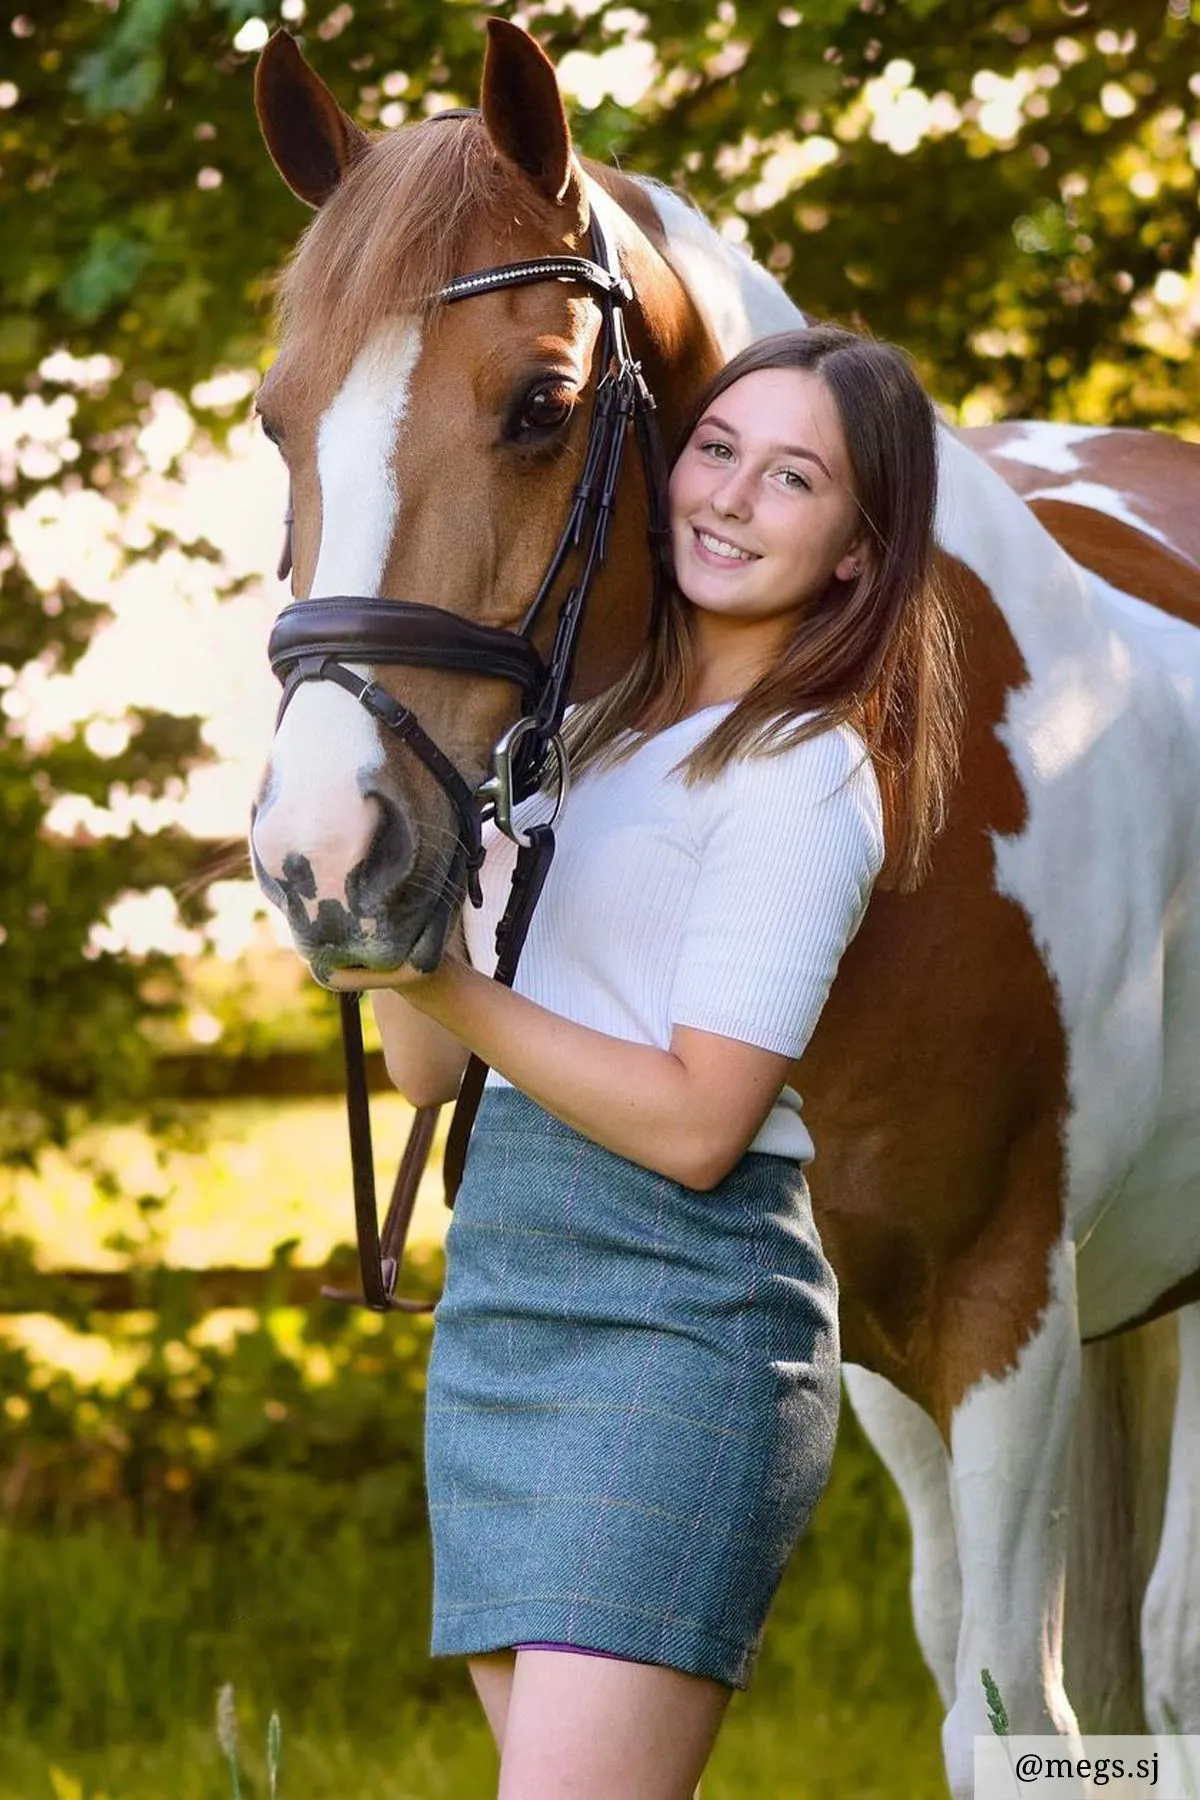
x,y
1003,1086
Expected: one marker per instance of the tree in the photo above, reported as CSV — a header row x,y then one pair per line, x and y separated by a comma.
x,y
1009,190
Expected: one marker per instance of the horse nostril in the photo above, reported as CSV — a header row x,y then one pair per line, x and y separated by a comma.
x,y
389,858
298,877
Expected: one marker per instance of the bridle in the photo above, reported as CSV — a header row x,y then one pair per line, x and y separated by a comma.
x,y
319,640
312,639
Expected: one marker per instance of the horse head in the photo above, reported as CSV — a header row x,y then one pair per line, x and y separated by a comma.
x,y
433,450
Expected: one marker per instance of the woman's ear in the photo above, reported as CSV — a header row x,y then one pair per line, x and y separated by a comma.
x,y
858,557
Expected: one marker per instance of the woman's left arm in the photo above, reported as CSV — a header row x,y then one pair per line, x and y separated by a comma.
x,y
687,1112
791,846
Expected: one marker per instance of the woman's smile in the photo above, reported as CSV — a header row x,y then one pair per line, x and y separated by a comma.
x,y
719,551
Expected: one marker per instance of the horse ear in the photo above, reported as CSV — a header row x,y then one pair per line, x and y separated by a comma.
x,y
312,142
523,110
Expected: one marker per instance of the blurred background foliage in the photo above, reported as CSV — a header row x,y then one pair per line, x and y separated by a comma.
x,y
1007,189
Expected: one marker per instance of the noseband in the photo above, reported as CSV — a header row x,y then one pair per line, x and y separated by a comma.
x,y
320,640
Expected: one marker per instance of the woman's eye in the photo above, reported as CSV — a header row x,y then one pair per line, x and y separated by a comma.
x,y
792,478
716,450
545,407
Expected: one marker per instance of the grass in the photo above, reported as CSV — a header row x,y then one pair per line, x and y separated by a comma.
x,y
418,1753
423,1753
113,1647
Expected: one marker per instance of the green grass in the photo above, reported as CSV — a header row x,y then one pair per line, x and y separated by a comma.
x,y
445,1753
417,1753
113,1646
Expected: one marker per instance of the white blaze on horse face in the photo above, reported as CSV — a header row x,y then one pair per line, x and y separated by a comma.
x,y
328,746
356,444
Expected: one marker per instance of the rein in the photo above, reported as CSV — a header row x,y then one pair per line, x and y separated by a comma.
x,y
324,640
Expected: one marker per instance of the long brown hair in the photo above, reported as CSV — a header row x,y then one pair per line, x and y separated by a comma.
x,y
877,652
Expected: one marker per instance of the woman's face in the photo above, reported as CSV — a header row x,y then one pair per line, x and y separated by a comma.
x,y
762,504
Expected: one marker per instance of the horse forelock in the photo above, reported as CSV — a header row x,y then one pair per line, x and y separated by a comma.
x,y
397,229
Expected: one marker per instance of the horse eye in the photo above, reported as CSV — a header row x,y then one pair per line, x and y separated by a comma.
x,y
271,432
544,408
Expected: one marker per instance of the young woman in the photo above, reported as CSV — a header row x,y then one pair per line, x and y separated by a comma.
x,y
633,1389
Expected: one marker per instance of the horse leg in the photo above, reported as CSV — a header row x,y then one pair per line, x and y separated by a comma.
x,y
911,1449
1010,1440
1171,1609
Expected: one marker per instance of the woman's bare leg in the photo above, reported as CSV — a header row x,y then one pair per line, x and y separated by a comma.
x,y
592,1728
493,1678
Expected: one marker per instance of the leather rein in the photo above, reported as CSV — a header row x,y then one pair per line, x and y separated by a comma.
x,y
321,640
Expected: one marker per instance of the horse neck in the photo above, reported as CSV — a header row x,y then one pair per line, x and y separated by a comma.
x,y
700,300
702,297
739,299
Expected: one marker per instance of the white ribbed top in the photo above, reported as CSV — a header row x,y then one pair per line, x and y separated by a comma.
x,y
725,905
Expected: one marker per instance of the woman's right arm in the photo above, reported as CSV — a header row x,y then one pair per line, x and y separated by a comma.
x,y
424,1060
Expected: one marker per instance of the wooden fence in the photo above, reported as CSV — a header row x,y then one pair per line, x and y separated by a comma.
x,y
76,1292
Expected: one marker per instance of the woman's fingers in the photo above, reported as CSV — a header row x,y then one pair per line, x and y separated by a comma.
x,y
360,981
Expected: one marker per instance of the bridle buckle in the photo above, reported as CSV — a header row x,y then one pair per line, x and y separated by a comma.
x,y
385,706
498,790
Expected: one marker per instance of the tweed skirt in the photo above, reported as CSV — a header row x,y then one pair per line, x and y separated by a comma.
x,y
632,1399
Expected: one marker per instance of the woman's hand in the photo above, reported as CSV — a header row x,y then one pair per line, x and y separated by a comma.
x,y
361,981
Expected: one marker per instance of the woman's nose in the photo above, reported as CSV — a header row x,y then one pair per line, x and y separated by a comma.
x,y
732,498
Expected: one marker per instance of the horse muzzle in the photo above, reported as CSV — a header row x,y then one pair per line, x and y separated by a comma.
x,y
360,895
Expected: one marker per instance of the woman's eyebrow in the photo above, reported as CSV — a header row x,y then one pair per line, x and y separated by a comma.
x,y
780,449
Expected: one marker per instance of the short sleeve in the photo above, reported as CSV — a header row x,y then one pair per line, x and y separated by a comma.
x,y
789,848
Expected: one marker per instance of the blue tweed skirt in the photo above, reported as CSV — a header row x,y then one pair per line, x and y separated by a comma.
x,y
632,1399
